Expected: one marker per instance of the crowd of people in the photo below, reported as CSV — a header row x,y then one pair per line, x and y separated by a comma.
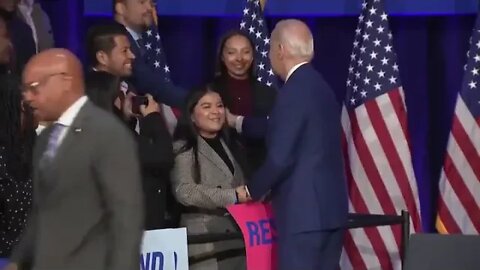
x,y
105,166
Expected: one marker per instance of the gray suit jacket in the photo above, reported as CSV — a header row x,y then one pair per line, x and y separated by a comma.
x,y
88,206
216,190
43,27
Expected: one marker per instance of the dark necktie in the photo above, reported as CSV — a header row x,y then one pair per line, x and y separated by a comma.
x,y
141,46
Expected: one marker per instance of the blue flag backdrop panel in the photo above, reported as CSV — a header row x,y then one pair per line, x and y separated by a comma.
x,y
293,8
431,53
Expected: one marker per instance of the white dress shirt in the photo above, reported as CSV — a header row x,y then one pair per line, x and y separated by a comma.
x,y
136,36
293,69
40,128
69,116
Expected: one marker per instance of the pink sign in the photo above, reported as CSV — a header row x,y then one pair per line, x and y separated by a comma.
x,y
259,233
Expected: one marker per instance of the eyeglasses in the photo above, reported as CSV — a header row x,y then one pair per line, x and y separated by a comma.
x,y
33,86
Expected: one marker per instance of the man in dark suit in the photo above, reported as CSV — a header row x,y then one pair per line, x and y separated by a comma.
x,y
33,15
108,50
304,165
137,16
20,32
88,205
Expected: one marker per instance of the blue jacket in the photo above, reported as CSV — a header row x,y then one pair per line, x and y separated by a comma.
x,y
304,165
147,81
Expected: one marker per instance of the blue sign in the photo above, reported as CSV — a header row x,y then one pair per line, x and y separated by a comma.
x,y
295,7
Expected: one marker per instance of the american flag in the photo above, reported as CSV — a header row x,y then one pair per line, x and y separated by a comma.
x,y
254,25
154,52
459,200
376,145
155,58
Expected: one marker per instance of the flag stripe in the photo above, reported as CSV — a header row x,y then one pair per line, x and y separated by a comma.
x,y
449,224
459,214
381,154
460,189
468,123
459,186
380,116
345,263
381,178
403,145
463,161
357,203
368,162
467,149
398,103
354,256
358,199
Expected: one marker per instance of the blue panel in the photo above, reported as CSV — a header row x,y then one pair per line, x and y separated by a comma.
x,y
294,7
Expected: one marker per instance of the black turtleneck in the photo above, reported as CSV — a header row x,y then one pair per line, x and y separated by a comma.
x,y
216,144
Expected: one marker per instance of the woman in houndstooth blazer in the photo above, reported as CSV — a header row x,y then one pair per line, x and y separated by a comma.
x,y
207,177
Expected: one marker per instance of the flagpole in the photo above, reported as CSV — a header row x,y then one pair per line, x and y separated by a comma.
x,y
154,12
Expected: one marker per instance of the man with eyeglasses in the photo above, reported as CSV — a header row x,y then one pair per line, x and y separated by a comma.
x,y
88,205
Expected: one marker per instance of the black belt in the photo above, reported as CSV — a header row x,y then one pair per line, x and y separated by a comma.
x,y
198,210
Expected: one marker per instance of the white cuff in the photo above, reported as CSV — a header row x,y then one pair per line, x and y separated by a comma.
x,y
239,123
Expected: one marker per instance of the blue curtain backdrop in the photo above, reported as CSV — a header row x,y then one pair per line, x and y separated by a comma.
x,y
431,51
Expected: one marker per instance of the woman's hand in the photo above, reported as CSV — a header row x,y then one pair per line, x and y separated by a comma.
x,y
242,194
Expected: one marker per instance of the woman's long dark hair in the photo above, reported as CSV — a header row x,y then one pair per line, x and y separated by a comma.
x,y
187,132
221,69
102,89
17,132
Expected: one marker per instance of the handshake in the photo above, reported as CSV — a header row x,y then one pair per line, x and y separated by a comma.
x,y
243,195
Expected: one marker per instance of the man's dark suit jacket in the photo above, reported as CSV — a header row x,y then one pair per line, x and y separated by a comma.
x,y
155,149
88,205
22,40
147,81
304,165
156,161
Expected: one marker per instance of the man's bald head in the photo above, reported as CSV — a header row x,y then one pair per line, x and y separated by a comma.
x,y
56,60
296,37
53,81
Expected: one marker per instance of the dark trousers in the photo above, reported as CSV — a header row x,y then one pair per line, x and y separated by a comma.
x,y
318,250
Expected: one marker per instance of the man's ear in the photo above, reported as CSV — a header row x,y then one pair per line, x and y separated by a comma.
x,y
68,82
102,58
281,51
119,8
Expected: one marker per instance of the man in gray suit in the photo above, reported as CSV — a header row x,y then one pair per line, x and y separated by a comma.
x,y
32,14
87,212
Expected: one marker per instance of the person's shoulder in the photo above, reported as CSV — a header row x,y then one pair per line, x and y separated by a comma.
x,y
178,145
182,150
309,75
105,122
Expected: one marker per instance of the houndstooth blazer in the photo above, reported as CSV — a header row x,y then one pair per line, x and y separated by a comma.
x,y
215,190
217,184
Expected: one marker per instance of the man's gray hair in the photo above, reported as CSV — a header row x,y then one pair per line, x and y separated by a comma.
x,y
296,36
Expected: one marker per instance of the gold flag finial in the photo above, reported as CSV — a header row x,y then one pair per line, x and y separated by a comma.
x,y
262,4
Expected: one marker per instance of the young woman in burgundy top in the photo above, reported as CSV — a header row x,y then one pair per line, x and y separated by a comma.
x,y
242,94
